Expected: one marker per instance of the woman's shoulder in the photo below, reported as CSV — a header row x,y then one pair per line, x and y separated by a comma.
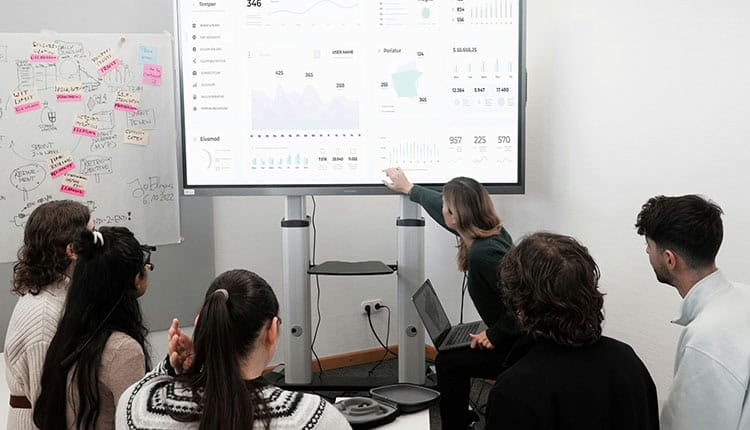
x,y
302,410
35,317
147,403
119,342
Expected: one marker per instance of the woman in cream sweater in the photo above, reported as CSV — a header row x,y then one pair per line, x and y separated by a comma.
x,y
41,278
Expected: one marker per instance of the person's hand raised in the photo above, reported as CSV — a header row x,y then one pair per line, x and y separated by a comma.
x,y
179,348
399,182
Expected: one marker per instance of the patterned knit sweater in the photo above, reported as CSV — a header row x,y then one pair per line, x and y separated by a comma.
x,y
30,331
144,406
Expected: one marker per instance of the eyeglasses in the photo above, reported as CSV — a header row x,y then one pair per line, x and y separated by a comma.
x,y
147,249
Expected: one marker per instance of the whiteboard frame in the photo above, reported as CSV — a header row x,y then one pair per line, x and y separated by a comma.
x,y
345,189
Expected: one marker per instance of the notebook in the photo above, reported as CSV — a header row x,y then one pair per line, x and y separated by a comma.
x,y
444,336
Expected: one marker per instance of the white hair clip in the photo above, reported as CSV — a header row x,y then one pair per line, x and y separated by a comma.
x,y
224,293
98,238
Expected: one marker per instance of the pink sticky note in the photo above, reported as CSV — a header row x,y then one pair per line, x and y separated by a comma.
x,y
59,164
43,58
62,169
28,107
109,66
125,107
73,191
127,101
85,125
152,74
81,131
68,97
74,184
68,92
43,52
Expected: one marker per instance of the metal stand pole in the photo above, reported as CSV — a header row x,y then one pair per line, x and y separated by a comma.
x,y
295,233
410,227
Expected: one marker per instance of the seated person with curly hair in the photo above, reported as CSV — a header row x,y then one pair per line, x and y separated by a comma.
x,y
564,374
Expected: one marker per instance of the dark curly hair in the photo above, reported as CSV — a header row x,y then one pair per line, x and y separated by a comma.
x,y
42,259
550,283
689,225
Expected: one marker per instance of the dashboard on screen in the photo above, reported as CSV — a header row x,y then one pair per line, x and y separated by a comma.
x,y
294,95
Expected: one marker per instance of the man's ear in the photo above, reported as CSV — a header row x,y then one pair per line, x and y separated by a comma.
x,y
69,252
670,259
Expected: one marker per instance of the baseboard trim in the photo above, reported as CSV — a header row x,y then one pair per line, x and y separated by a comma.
x,y
364,356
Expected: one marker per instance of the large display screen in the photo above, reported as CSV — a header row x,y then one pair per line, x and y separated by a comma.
x,y
319,96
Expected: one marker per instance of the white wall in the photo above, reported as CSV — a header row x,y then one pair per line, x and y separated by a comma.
x,y
626,100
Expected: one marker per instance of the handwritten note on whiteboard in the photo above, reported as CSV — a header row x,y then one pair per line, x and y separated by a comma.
x,y
74,184
43,52
105,61
134,136
60,164
68,92
86,125
127,101
25,101
127,178
152,74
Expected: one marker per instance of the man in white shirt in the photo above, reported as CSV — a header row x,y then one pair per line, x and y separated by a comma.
x,y
712,363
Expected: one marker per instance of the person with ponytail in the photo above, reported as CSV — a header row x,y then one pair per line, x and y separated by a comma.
x,y
465,209
41,278
99,347
214,380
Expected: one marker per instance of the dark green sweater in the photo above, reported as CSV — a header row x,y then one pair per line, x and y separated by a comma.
x,y
483,259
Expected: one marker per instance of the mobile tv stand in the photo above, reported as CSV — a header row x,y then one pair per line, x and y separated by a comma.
x,y
295,233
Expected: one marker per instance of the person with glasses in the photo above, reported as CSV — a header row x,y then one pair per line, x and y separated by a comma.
x,y
99,348
214,381
41,278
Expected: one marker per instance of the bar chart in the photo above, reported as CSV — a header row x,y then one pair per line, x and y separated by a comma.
x,y
483,12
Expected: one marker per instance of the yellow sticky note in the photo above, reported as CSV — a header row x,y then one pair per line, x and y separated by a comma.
x,y
136,137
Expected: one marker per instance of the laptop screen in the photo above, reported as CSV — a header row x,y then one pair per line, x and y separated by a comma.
x,y
433,315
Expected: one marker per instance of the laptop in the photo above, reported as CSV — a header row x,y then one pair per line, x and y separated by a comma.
x,y
444,336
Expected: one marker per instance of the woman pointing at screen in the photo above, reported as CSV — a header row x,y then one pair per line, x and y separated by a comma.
x,y
465,209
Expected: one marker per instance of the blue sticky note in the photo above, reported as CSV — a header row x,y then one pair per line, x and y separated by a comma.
x,y
148,54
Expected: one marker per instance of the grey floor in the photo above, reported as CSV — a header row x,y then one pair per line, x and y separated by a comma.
x,y
389,368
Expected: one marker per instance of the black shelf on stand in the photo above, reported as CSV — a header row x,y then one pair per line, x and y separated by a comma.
x,y
347,268
328,382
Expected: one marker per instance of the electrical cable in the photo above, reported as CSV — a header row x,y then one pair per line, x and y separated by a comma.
x,y
317,285
387,338
464,286
369,319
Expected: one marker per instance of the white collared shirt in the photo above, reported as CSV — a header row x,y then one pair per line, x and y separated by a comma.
x,y
712,363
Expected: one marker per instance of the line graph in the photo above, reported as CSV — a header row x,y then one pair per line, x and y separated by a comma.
x,y
312,14
313,6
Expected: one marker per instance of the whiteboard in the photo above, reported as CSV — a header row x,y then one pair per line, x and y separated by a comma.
x,y
88,117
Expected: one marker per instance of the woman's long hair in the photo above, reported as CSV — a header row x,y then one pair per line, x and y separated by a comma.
x,y
102,299
475,215
226,333
42,259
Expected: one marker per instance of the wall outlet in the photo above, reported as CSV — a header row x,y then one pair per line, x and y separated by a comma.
x,y
371,303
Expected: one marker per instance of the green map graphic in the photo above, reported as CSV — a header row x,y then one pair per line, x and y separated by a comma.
x,y
405,83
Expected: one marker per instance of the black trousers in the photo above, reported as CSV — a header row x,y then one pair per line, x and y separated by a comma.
x,y
455,369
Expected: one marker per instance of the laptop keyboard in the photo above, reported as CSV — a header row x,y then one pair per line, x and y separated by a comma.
x,y
460,334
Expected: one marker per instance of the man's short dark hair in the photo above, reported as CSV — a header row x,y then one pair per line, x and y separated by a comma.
x,y
688,225
550,283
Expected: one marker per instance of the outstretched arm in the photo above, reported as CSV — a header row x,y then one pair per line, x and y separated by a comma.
x,y
431,201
